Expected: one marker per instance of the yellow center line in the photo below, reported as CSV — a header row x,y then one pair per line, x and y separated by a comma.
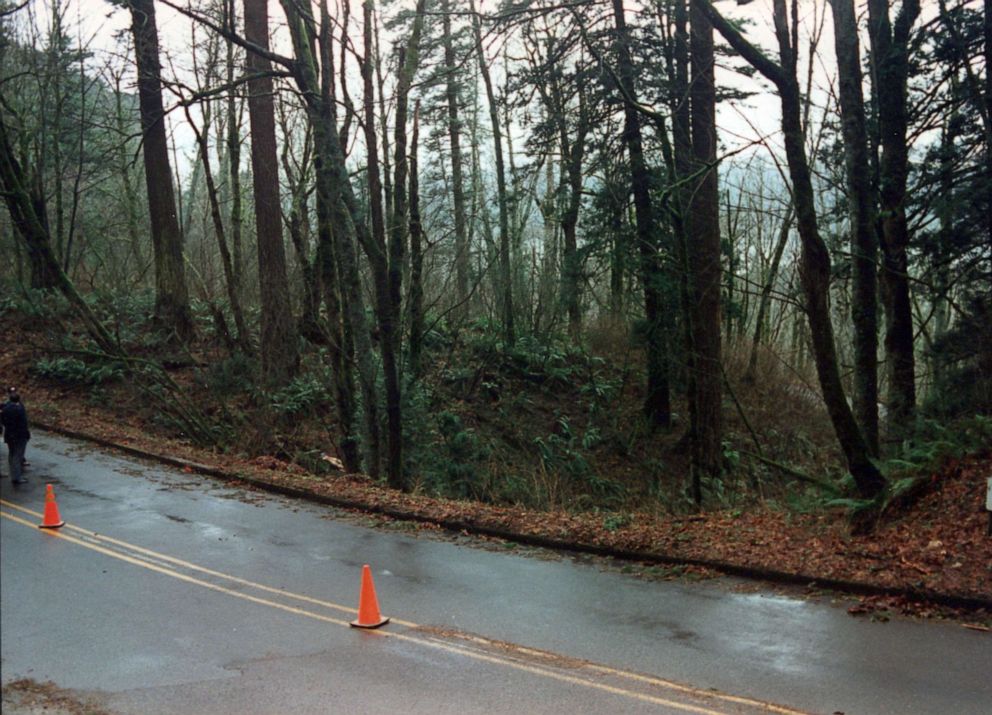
x,y
195,567
148,557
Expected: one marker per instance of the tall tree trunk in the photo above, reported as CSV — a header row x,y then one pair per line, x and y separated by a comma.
x,y
890,60
278,335
457,177
336,231
375,55
571,268
234,164
573,154
171,296
506,282
331,247
398,230
81,153
376,248
558,92
681,169
815,260
704,259
416,254
54,78
339,341
386,259
940,269
987,51
373,172
549,263
988,125
618,253
43,277
335,250
657,405
864,244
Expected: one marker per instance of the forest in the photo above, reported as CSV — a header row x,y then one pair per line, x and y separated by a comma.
x,y
666,256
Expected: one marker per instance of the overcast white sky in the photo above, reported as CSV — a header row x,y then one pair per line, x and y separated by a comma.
x,y
101,21
758,117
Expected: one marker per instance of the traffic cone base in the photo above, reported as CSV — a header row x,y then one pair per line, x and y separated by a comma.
x,y
368,604
381,622
51,520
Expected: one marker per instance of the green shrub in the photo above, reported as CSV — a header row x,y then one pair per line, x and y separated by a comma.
x,y
456,470
304,395
615,520
72,371
33,303
235,374
561,452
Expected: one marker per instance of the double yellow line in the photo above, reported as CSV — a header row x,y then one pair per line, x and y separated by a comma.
x,y
584,673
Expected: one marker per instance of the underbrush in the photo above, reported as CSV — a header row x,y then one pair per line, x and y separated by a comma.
x,y
911,468
541,424
70,371
547,426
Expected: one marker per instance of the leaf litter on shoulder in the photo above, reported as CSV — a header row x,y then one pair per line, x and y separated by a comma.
x,y
29,697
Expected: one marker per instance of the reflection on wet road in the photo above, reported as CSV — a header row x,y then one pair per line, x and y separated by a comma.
x,y
171,594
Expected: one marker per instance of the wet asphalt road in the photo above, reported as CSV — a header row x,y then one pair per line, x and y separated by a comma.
x,y
173,593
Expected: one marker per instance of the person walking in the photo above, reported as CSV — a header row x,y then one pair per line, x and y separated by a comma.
x,y
16,434
10,393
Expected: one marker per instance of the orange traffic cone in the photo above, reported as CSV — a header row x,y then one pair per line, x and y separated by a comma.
x,y
52,519
368,605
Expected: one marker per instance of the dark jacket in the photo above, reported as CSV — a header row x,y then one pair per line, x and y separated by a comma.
x,y
15,423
